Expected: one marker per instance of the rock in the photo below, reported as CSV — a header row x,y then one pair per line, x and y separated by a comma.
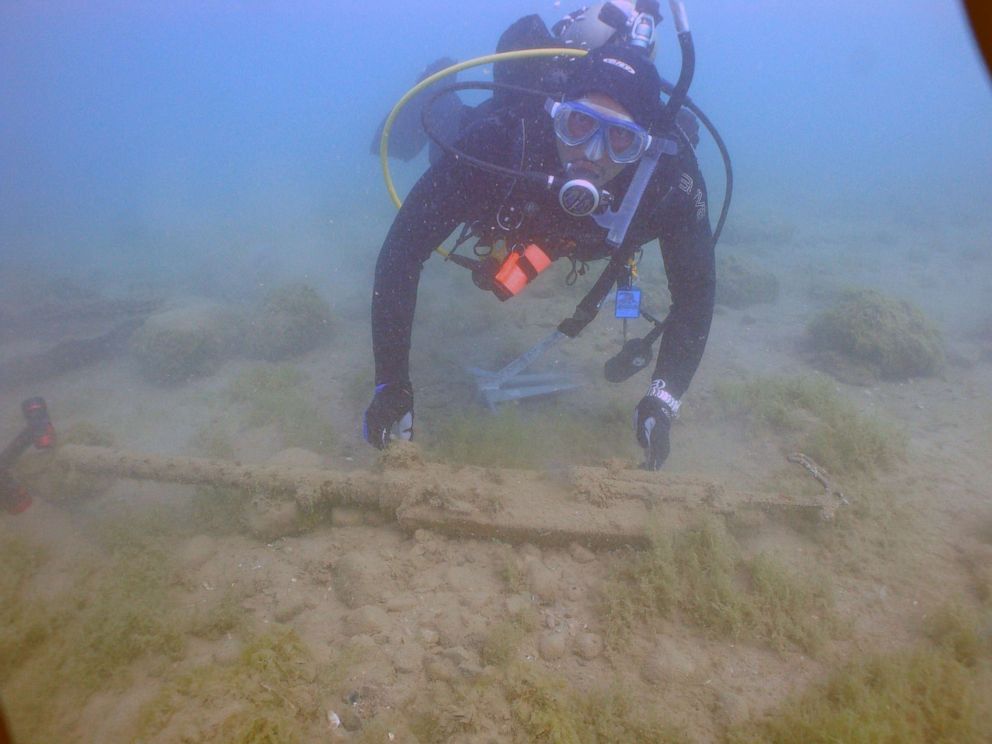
x,y
464,662
730,708
450,625
369,620
362,642
457,655
580,554
408,658
470,670
346,516
288,609
668,663
428,637
551,645
574,592
360,578
461,579
197,551
653,670
297,457
888,336
350,719
529,550
178,345
269,520
475,600
541,581
517,603
476,629
401,602
439,669
588,646
291,320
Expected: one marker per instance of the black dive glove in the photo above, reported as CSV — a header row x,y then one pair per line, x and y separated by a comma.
x,y
653,422
391,407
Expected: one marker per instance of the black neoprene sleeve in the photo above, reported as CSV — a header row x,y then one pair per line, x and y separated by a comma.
x,y
690,264
434,207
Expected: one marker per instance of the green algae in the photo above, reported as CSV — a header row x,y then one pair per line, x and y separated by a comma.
x,y
117,610
514,438
873,530
511,572
938,692
891,337
818,421
23,627
698,574
544,709
538,707
219,619
920,696
958,630
505,638
273,692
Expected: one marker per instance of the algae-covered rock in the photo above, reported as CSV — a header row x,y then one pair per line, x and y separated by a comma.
x,y
43,474
890,337
269,519
292,320
739,285
179,345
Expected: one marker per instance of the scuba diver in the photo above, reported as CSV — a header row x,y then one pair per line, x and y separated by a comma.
x,y
585,164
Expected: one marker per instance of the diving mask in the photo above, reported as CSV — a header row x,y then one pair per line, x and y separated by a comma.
x,y
577,123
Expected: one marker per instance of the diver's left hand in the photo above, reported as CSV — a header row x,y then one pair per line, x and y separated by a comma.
x,y
653,424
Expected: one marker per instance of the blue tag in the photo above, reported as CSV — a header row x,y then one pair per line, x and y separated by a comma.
x,y
628,303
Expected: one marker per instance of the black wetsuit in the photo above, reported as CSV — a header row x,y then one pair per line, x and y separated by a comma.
x,y
673,210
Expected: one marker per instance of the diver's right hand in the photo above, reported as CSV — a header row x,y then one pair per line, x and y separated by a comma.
x,y
391,408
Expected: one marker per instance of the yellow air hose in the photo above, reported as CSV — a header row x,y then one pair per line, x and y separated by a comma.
x,y
426,82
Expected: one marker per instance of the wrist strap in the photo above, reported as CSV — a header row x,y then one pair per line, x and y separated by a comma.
x,y
671,403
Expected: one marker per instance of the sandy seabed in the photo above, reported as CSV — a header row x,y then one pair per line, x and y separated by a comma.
x,y
138,614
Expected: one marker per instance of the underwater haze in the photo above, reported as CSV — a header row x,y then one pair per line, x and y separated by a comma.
x,y
204,548
145,135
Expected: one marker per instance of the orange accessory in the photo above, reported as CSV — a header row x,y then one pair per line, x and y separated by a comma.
x,y
519,268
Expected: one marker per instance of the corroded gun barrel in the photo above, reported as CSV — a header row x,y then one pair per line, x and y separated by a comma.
x,y
596,507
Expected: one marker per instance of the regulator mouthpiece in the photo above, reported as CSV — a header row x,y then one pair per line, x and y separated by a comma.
x,y
579,197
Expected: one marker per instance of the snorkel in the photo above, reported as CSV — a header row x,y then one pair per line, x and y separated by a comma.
x,y
681,90
618,222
